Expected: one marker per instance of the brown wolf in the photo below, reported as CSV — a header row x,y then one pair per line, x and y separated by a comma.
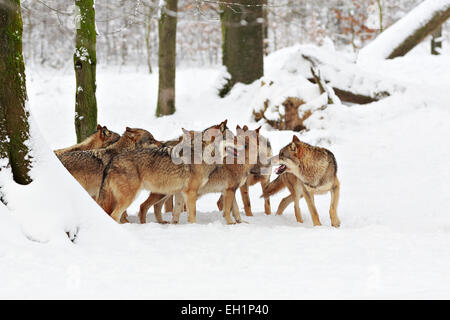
x,y
228,177
256,175
225,178
100,139
306,170
87,166
154,170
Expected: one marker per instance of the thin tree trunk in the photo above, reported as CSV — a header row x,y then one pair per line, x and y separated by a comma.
x,y
380,14
14,127
266,27
167,58
85,62
242,41
436,41
148,39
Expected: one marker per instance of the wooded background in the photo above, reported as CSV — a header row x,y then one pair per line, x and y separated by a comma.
x,y
128,29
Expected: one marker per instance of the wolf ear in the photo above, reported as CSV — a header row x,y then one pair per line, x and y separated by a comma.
x,y
185,132
245,128
238,127
293,146
128,129
223,125
257,130
99,127
295,139
106,132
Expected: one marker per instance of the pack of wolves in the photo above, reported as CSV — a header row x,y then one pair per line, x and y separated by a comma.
x,y
114,168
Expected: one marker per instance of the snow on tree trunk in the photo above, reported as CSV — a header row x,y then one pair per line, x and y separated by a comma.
x,y
408,32
85,61
167,58
14,126
242,41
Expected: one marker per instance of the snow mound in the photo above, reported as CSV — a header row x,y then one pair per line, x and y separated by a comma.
x,y
54,207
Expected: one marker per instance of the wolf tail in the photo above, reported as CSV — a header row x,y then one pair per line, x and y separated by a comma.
x,y
273,187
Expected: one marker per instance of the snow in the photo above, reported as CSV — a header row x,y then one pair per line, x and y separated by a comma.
x,y
393,166
392,37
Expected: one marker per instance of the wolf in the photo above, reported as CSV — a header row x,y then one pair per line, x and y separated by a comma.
x,y
153,169
101,138
229,177
225,178
87,167
260,173
306,170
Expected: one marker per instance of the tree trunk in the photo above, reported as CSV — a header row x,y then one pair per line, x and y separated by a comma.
x,y
436,41
167,58
266,27
85,61
148,40
380,15
242,41
14,127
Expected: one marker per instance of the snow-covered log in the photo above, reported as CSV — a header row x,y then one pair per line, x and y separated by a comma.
x,y
349,82
408,32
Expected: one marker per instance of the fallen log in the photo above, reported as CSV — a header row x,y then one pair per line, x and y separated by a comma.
x,y
349,82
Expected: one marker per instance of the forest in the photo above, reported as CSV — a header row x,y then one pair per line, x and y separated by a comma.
x,y
333,115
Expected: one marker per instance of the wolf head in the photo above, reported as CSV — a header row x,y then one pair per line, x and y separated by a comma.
x,y
204,146
141,138
105,136
289,157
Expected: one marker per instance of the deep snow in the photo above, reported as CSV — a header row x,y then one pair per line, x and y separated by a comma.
x,y
393,166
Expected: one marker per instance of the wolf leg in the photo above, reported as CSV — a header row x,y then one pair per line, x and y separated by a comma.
x,y
179,206
191,199
284,203
124,218
220,203
296,198
264,183
246,200
158,212
335,222
151,200
228,204
235,210
168,205
309,197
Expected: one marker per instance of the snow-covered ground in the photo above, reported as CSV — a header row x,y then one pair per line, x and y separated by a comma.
x,y
393,165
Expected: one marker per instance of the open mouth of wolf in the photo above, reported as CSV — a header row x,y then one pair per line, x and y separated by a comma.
x,y
281,169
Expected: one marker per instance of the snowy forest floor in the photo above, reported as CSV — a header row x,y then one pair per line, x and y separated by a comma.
x,y
393,165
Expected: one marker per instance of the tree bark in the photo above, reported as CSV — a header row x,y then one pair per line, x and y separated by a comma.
x,y
14,126
242,41
85,62
167,58
436,41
